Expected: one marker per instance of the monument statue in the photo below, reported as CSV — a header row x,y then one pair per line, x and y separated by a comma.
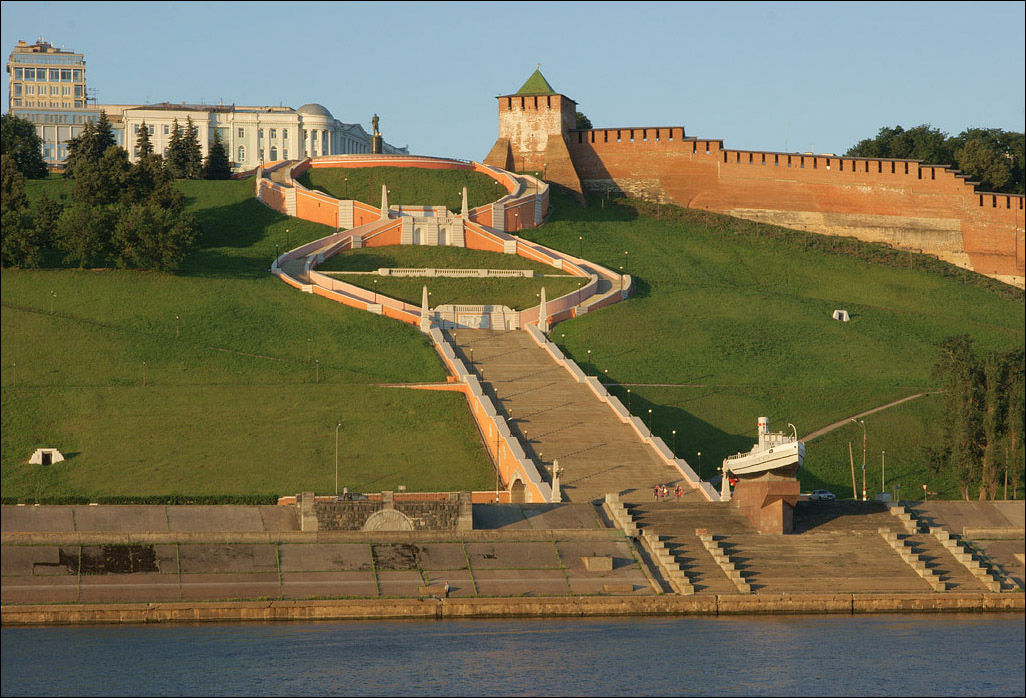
x,y
374,124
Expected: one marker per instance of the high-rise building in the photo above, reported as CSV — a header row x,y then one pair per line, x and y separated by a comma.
x,y
48,88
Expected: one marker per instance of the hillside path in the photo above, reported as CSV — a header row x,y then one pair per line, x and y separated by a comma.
x,y
837,425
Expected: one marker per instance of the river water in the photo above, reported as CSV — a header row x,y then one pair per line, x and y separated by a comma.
x,y
911,655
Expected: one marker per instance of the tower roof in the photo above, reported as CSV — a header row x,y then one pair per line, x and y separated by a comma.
x,y
536,85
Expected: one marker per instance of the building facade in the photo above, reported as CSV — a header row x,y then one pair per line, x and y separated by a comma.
x,y
48,88
251,135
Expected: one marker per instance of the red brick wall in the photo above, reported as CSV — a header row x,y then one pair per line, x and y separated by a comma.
x,y
897,201
316,207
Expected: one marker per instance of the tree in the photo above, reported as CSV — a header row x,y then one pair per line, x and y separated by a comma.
x,y
962,377
177,157
193,152
583,122
103,182
147,236
46,214
19,140
12,186
84,233
923,143
19,243
217,165
142,141
104,136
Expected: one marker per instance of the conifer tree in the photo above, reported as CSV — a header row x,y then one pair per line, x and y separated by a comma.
x,y
176,157
142,141
217,165
193,152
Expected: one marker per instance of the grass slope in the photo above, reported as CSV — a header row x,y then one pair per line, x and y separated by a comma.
x,y
737,317
408,186
242,392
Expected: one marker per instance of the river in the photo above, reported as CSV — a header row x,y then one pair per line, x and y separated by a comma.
x,y
911,655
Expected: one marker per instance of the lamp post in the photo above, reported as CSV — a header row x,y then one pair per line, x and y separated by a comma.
x,y
339,426
625,268
563,336
883,456
674,432
286,238
699,465
621,277
178,327
650,420
347,187
862,423
589,361
580,246
375,291
628,400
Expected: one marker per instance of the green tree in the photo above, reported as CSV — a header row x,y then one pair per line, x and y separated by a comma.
x,y
582,121
46,214
193,151
84,233
217,165
103,182
12,186
992,157
19,140
177,157
147,236
995,374
19,241
962,377
923,143
1015,421
142,141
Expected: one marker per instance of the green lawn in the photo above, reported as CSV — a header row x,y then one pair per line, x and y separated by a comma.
x,y
409,186
242,391
739,320
730,322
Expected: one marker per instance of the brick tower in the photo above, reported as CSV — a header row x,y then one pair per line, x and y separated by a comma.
x,y
533,127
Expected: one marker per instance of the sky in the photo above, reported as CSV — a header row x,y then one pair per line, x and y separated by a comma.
x,y
803,76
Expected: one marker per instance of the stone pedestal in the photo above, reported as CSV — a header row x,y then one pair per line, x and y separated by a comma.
x,y
768,502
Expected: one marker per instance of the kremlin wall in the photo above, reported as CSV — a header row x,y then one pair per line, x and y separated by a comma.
x,y
927,208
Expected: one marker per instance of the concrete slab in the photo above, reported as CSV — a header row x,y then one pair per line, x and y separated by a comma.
x,y
20,560
39,590
42,518
123,519
208,587
214,518
571,552
325,557
279,518
460,582
443,556
639,585
400,582
228,557
1014,512
499,516
521,582
306,585
561,516
126,588
512,555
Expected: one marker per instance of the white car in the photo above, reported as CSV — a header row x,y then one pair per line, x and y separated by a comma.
x,y
825,495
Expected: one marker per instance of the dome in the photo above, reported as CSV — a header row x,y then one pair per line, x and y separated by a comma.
x,y
314,109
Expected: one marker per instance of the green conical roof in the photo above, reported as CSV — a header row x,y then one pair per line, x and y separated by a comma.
x,y
536,85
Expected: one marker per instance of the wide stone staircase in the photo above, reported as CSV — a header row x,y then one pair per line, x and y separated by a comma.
x,y
837,548
558,419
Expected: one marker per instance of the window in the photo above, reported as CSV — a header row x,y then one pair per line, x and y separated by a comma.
x,y
260,134
167,129
135,152
242,134
30,73
65,75
274,133
30,89
274,152
19,73
285,154
260,155
242,152
78,90
284,136
78,75
55,74
17,89
150,129
135,128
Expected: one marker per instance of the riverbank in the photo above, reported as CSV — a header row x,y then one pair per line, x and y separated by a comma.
x,y
540,607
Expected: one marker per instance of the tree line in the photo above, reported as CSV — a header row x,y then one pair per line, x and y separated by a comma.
x,y
121,214
990,156
984,418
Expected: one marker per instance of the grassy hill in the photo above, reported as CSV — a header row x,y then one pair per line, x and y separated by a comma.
x,y
409,186
731,321
238,395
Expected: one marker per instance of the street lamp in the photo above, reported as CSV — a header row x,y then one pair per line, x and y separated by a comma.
x,y
649,420
621,277
883,455
347,187
699,465
674,432
375,291
862,423
336,457
178,327
628,400
589,361
625,261
286,238
580,246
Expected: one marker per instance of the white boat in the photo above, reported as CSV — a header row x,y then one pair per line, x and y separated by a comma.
x,y
776,452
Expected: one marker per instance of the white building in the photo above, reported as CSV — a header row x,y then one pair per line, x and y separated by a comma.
x,y
252,135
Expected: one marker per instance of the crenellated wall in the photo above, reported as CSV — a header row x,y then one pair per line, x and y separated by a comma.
x,y
904,203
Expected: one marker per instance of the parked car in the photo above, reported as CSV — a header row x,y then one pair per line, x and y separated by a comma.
x,y
825,495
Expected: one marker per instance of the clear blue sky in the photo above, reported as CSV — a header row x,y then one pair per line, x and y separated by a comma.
x,y
770,76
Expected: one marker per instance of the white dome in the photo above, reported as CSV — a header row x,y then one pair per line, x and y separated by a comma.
x,y
314,109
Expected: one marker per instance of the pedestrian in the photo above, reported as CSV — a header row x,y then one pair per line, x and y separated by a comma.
x,y
677,492
447,590
666,491
655,492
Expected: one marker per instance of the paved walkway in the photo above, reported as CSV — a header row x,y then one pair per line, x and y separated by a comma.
x,y
557,418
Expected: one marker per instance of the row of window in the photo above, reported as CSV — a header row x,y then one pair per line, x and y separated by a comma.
x,y
79,104
57,118
47,60
53,91
49,74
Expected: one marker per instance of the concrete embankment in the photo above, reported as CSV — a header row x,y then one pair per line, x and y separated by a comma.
x,y
541,607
